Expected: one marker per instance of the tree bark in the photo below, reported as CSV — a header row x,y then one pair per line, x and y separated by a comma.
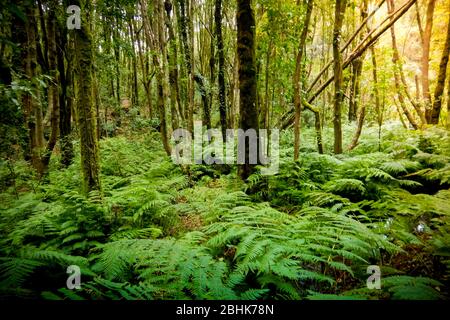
x,y
439,91
86,117
398,72
247,77
53,88
173,68
448,103
425,61
338,74
299,73
65,98
221,74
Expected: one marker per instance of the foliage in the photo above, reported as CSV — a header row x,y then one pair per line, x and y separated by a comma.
x,y
157,232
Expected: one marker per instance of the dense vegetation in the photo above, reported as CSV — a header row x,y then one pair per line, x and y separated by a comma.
x,y
87,179
158,233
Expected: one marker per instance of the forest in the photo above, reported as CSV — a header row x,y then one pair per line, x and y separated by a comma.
x,y
225,149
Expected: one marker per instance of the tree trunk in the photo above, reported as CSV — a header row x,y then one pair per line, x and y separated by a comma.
x,y
155,36
221,75
33,111
397,72
190,19
355,95
85,113
439,91
117,62
299,73
362,115
355,89
146,79
247,77
135,91
338,74
173,68
425,61
53,101
376,92
65,98
448,103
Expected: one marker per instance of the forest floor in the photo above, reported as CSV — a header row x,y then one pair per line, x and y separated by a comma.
x,y
317,230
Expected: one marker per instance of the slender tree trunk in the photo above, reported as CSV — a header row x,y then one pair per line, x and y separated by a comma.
x,y
117,61
86,117
355,89
190,20
448,103
247,77
299,73
65,114
173,69
439,91
188,59
338,75
221,74
376,93
362,115
400,115
135,91
397,72
53,101
212,54
33,111
264,121
425,61
355,97
155,36
146,79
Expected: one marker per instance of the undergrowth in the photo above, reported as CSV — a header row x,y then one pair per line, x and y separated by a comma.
x,y
158,231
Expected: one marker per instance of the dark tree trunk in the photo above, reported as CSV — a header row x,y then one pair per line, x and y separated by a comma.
x,y
65,101
221,75
355,89
247,76
53,97
338,75
199,79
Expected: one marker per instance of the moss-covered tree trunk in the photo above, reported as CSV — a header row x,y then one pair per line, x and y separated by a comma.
x,y
338,74
86,117
173,68
32,107
448,103
439,90
425,61
247,77
221,74
299,73
53,87
188,50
